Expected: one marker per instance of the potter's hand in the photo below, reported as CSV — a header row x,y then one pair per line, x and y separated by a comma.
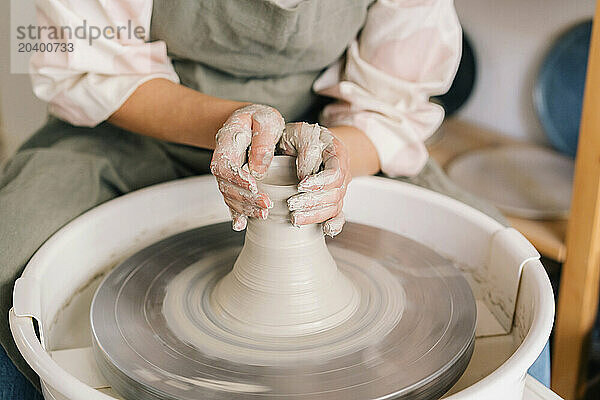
x,y
259,128
321,191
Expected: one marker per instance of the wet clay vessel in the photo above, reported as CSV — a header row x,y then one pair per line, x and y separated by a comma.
x,y
284,281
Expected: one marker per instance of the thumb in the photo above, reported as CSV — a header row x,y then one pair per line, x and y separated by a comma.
x,y
267,128
309,147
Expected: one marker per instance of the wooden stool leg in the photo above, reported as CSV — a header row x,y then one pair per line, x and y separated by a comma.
x,y
578,295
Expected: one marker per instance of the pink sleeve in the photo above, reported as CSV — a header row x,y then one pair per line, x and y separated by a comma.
x,y
86,85
408,51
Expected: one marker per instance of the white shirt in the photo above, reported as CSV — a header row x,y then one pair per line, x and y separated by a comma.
x,y
407,51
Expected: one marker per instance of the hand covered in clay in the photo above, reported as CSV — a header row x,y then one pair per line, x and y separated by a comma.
x,y
324,172
258,128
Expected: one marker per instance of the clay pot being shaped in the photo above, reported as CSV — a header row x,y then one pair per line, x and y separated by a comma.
x,y
284,281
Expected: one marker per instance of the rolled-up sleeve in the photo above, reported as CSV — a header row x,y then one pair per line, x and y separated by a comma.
x,y
86,85
408,51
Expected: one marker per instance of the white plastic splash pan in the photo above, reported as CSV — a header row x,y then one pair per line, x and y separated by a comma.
x,y
514,297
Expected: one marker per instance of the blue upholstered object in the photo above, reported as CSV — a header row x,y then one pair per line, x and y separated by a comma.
x,y
13,385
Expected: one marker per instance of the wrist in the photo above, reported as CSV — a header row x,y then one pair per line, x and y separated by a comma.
x,y
361,151
169,111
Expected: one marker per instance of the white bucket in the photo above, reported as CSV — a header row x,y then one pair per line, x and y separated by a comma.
x,y
514,296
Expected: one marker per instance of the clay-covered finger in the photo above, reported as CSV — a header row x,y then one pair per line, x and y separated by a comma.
x,y
234,192
267,127
312,200
239,176
232,142
287,143
310,143
233,139
247,209
239,221
315,216
324,180
333,226
334,174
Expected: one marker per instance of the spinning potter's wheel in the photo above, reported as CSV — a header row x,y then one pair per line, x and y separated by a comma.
x,y
381,317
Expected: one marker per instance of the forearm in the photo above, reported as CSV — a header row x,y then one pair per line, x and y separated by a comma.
x,y
172,112
363,156
175,113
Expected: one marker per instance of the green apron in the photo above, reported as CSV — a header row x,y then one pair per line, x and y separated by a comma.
x,y
257,51
253,51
